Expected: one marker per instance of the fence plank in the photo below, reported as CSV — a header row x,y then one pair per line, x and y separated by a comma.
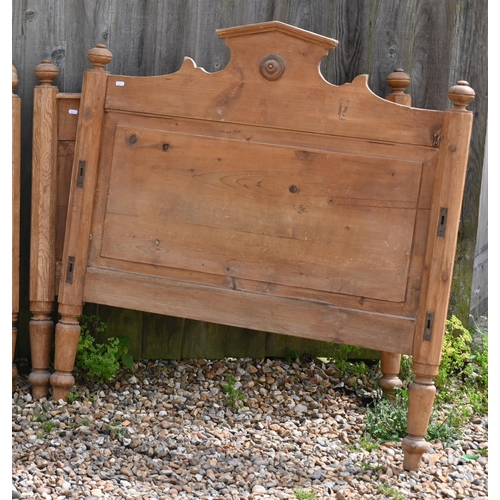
x,y
122,323
469,61
162,336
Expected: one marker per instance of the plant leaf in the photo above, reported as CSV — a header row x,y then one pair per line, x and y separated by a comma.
x,y
128,361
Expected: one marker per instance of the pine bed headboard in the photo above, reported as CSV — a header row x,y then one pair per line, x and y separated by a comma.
x,y
264,197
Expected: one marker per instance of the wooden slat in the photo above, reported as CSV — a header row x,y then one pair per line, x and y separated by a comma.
x,y
163,337
279,315
68,109
244,343
204,339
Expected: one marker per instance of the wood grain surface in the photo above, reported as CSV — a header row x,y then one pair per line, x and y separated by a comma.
x,y
437,44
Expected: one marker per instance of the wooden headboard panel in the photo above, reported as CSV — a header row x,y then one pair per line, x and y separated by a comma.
x,y
264,197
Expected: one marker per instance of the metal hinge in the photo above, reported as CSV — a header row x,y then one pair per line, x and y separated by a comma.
x,y
443,216
70,270
81,173
429,320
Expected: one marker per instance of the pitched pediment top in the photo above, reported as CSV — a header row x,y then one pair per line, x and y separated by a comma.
x,y
252,29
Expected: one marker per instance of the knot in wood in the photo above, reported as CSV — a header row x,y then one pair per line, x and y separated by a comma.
x,y
272,67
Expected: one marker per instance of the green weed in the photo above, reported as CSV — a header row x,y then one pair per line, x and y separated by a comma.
x,y
101,360
368,444
371,466
462,389
301,494
386,421
38,417
234,396
115,428
48,426
463,373
290,355
72,397
340,354
390,492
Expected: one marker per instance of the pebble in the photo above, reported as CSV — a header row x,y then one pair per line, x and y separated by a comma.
x,y
168,430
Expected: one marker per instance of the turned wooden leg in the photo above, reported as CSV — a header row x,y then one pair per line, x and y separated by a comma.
x,y
421,399
390,364
67,335
14,340
41,328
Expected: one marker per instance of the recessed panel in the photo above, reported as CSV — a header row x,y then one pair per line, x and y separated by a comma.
x,y
298,217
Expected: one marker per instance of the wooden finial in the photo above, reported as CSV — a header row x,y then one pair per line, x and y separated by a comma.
x,y
398,81
46,72
461,94
99,56
15,80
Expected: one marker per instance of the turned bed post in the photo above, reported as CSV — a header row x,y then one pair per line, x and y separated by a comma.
x,y
390,362
76,245
16,205
43,213
433,307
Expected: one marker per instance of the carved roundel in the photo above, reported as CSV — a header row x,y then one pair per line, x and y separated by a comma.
x,y
272,66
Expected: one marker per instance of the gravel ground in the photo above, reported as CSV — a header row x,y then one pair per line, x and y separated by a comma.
x,y
167,431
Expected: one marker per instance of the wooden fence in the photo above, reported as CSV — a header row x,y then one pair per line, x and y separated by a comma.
x,y
437,43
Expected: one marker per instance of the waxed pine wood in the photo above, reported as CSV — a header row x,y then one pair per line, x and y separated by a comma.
x,y
437,43
207,197
54,128
43,227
